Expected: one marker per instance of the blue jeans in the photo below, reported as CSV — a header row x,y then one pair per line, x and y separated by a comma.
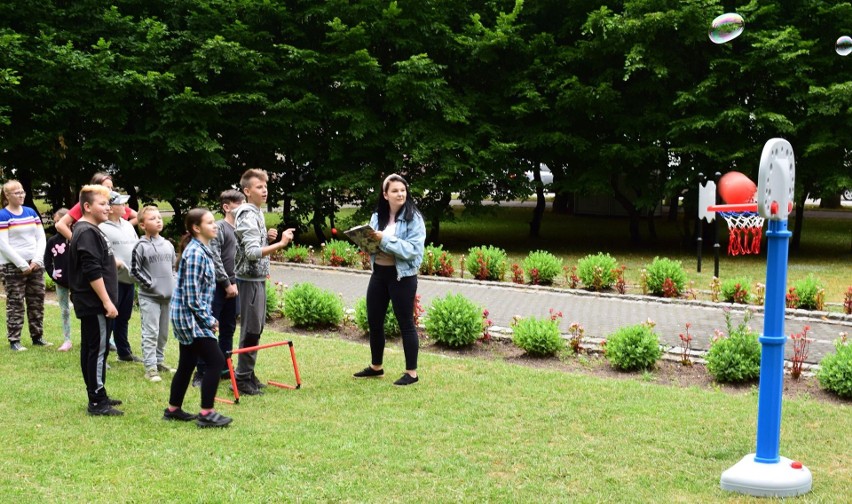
x,y
225,311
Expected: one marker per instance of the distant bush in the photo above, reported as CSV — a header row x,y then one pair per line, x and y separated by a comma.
x,y
49,284
660,269
392,329
807,294
296,254
339,253
596,271
735,358
632,348
437,261
835,369
537,336
274,301
542,267
306,305
454,320
486,263
736,290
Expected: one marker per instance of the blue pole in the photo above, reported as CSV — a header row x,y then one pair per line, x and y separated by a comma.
x,y
772,341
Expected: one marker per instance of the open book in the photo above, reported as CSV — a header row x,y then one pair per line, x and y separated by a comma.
x,y
362,236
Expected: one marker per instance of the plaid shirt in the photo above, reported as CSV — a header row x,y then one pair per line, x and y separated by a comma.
x,y
191,306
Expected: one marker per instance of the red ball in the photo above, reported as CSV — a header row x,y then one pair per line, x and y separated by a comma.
x,y
334,231
736,188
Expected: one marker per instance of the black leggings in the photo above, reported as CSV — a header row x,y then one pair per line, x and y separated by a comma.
x,y
382,289
207,349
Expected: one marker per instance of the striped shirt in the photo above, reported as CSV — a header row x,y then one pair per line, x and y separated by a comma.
x,y
22,238
191,309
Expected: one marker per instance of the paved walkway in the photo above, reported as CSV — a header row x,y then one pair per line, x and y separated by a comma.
x,y
600,314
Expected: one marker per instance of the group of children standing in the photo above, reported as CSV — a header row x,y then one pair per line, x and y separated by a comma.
x,y
103,259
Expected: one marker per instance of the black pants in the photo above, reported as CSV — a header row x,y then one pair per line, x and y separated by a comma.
x,y
225,311
94,348
207,349
384,288
119,329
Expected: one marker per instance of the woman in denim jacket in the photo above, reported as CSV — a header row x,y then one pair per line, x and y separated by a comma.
x,y
401,234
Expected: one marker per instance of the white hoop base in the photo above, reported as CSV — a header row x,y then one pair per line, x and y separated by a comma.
x,y
786,478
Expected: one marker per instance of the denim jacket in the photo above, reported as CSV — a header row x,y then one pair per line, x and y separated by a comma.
x,y
406,245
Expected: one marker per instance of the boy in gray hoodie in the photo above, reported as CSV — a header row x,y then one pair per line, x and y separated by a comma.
x,y
252,268
153,267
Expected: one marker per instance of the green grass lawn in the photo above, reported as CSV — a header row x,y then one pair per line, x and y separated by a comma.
x,y
472,430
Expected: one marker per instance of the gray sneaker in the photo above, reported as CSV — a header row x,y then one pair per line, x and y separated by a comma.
x,y
152,375
16,346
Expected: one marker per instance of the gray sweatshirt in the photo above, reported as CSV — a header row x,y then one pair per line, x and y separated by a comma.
x,y
250,228
122,236
153,267
224,248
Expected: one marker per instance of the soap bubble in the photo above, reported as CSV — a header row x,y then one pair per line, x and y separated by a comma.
x,y
726,27
843,45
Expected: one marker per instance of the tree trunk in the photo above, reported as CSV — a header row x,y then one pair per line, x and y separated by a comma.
x,y
830,200
796,241
630,208
317,221
435,222
563,203
538,211
652,226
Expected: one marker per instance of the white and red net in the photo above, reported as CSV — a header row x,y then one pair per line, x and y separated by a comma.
x,y
745,229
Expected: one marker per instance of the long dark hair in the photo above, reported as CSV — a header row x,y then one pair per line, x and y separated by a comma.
x,y
408,209
193,218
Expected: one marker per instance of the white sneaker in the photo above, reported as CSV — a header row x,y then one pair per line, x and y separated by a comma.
x,y
152,376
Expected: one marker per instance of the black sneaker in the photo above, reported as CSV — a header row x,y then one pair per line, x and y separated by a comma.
x,y
213,419
103,409
129,358
246,387
196,379
179,415
406,379
256,382
41,342
16,346
369,372
114,402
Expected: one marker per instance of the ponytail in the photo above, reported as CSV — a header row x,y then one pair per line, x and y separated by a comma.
x,y
193,218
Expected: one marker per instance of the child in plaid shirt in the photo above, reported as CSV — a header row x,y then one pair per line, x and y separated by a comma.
x,y
192,319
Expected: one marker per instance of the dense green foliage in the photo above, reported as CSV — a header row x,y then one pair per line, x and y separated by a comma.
x,y
596,271
736,290
296,254
339,253
392,329
808,293
274,301
306,305
835,369
454,320
437,261
541,267
662,268
735,358
537,336
180,97
486,263
632,348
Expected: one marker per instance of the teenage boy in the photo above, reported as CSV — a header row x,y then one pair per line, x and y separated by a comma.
x,y
252,268
122,236
94,289
225,301
153,267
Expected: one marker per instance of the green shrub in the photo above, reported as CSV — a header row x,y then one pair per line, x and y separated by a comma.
x,y
273,299
537,336
49,284
809,293
542,267
339,253
835,369
635,347
392,329
659,270
296,254
306,305
595,271
486,263
735,358
454,320
736,290
436,261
